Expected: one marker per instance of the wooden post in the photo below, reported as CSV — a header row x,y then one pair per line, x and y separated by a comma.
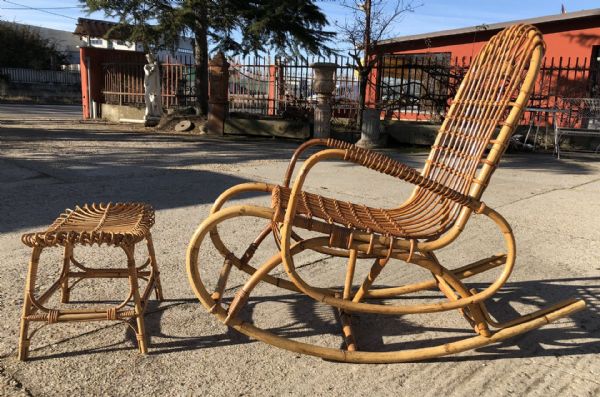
x,y
218,94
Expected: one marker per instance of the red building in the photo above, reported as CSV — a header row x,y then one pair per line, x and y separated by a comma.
x,y
574,35
570,67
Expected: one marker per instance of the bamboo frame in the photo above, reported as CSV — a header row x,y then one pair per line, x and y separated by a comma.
x,y
447,192
121,225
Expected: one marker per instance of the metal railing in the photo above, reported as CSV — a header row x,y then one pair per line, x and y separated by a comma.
x,y
124,83
283,86
420,87
32,76
413,87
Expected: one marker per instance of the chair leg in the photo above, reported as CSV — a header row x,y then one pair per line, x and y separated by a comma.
x,y
156,274
472,313
24,340
64,276
345,317
376,269
138,307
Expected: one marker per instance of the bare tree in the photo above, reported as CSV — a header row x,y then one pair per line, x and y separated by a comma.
x,y
369,22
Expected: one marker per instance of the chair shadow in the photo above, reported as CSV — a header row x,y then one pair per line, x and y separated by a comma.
x,y
308,318
582,338
371,330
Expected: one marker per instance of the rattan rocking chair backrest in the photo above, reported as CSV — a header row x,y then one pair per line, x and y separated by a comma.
x,y
493,94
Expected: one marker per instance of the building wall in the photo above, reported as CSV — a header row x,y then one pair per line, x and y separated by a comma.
x,y
92,74
563,39
568,44
184,47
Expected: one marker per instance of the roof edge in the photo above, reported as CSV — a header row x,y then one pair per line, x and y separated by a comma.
x,y
494,26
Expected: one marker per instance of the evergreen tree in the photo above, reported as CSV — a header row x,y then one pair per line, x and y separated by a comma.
x,y
234,26
23,47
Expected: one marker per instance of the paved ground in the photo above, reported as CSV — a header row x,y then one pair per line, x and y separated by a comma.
x,y
553,206
21,112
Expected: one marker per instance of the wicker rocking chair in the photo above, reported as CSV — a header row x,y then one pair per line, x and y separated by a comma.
x,y
447,192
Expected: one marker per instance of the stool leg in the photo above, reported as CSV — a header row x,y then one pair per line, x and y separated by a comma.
x,y
155,272
139,308
64,275
27,305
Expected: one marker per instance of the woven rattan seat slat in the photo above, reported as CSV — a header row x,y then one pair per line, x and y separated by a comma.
x,y
112,224
364,218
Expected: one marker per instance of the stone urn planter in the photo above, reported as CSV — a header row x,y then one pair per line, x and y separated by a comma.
x,y
323,85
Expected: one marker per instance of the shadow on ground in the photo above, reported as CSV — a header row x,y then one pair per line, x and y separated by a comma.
x,y
40,183
308,318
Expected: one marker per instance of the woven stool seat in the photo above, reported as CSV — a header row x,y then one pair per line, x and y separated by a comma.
x,y
120,225
111,224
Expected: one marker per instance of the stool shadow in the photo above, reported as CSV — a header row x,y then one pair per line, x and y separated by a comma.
x,y
309,318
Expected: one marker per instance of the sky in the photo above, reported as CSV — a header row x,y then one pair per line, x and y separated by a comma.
x,y
432,15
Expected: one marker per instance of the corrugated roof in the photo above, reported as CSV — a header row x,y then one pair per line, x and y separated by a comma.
x,y
496,26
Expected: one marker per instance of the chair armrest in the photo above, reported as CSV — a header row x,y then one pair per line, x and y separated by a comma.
x,y
377,162
290,170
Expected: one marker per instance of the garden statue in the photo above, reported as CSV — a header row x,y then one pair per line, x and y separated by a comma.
x,y
152,92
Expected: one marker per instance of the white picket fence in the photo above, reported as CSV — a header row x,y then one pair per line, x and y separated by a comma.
x,y
19,75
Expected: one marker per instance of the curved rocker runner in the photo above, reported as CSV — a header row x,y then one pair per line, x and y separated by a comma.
x,y
447,192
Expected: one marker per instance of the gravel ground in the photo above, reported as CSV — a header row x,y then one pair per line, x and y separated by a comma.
x,y
553,206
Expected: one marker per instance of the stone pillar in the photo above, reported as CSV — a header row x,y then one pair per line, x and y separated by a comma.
x,y
323,85
370,129
218,78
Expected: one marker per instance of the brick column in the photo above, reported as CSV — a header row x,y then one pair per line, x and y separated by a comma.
x,y
218,75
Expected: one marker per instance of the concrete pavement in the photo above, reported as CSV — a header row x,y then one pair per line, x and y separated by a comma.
x,y
553,206
33,112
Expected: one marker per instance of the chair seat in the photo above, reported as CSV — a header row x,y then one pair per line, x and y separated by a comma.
x,y
111,224
424,218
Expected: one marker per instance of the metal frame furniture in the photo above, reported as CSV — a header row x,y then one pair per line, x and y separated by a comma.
x,y
447,192
581,118
120,225
534,121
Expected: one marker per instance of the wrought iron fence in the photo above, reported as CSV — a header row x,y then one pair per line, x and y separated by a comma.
x,y
283,86
29,76
124,82
421,87
413,87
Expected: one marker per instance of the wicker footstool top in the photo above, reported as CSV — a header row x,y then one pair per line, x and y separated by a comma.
x,y
112,224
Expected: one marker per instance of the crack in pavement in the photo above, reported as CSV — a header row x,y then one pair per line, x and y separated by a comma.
x,y
10,382
549,191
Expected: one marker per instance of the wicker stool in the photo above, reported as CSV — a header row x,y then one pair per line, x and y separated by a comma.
x,y
119,225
